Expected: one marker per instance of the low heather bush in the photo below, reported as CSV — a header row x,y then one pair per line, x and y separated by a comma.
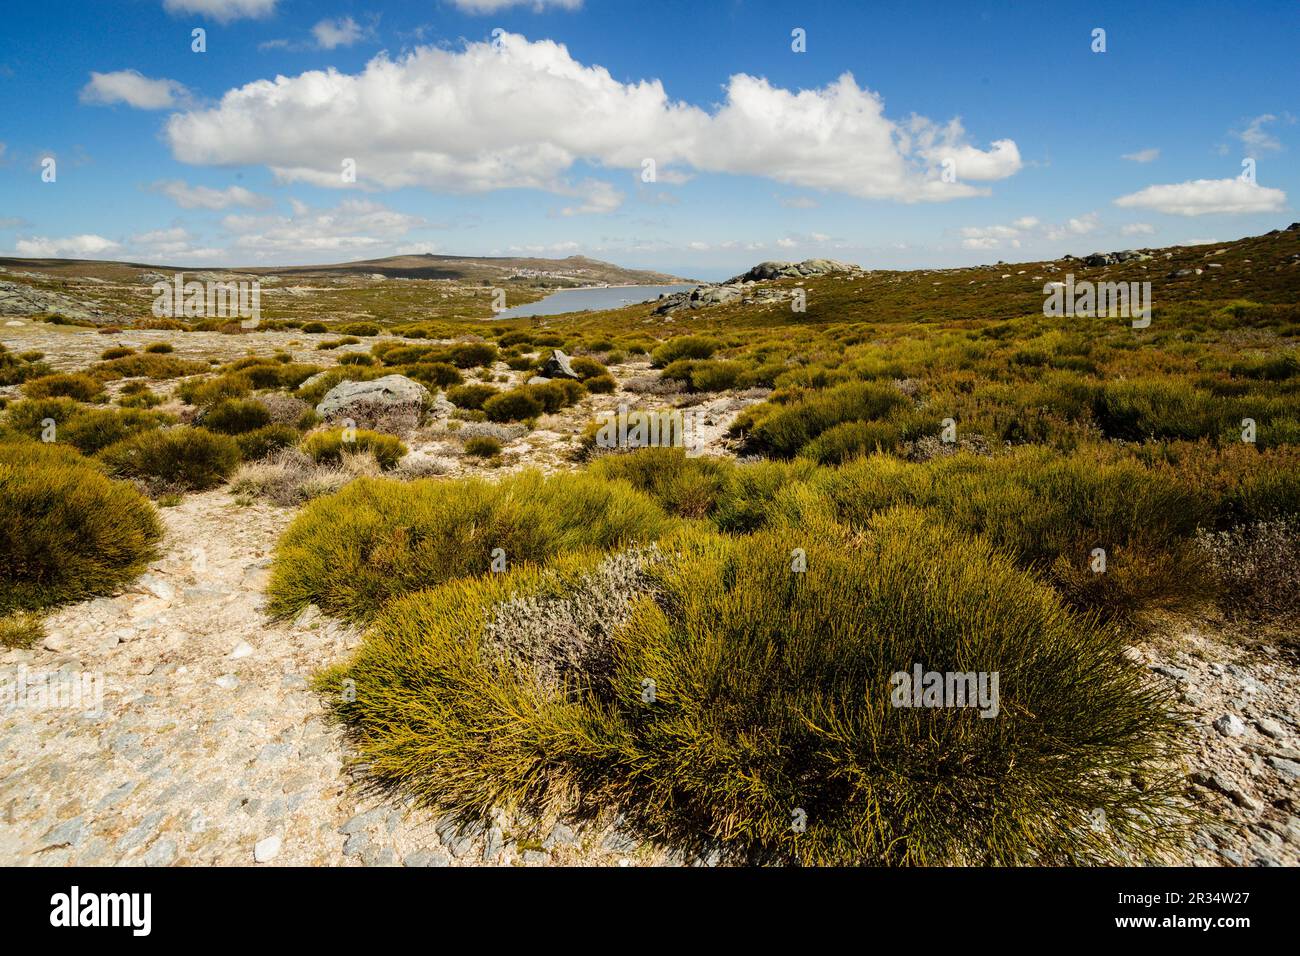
x,y
352,552
67,532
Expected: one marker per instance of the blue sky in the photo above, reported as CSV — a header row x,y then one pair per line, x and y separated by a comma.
x,y
904,135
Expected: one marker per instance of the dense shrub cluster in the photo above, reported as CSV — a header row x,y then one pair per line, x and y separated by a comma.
x,y
329,446
772,694
352,552
182,458
67,531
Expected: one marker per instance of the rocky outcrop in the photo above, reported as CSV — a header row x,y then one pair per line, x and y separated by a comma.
x,y
745,287
793,270
1115,258
557,366
17,299
391,391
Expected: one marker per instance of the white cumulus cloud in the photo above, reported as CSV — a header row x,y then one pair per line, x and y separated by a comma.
x,y
1142,156
134,89
223,11
355,225
493,6
205,197
1256,138
73,247
1200,197
330,34
522,114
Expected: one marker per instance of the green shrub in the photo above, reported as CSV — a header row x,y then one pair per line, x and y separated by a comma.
x,y
279,374
601,384
746,495
586,366
849,440
685,486
232,416
518,404
1143,409
470,396
394,353
434,374
327,447
190,458
364,329
28,418
353,551
159,348
67,532
315,328
356,358
117,351
775,692
482,446
16,369
152,365
260,442
139,399
21,629
556,394
93,429
785,429
233,385
684,347
1048,512
473,354
716,376
65,385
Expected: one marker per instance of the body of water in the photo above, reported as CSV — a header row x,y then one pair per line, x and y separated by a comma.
x,y
585,300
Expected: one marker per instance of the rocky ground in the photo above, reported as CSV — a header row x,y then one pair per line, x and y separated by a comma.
x,y
1244,705
211,748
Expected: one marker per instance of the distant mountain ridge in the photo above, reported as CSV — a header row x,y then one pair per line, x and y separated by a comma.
x,y
570,271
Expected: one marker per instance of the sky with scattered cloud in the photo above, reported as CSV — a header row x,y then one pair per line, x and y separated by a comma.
x,y
696,140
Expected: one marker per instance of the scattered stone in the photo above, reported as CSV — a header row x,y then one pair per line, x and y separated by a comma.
x,y
227,682
1230,725
492,844
1221,784
561,835
1270,728
356,844
56,642
557,366
242,650
151,584
67,833
435,857
162,853
267,850
617,841
307,617
1287,768
362,821
375,856
389,391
